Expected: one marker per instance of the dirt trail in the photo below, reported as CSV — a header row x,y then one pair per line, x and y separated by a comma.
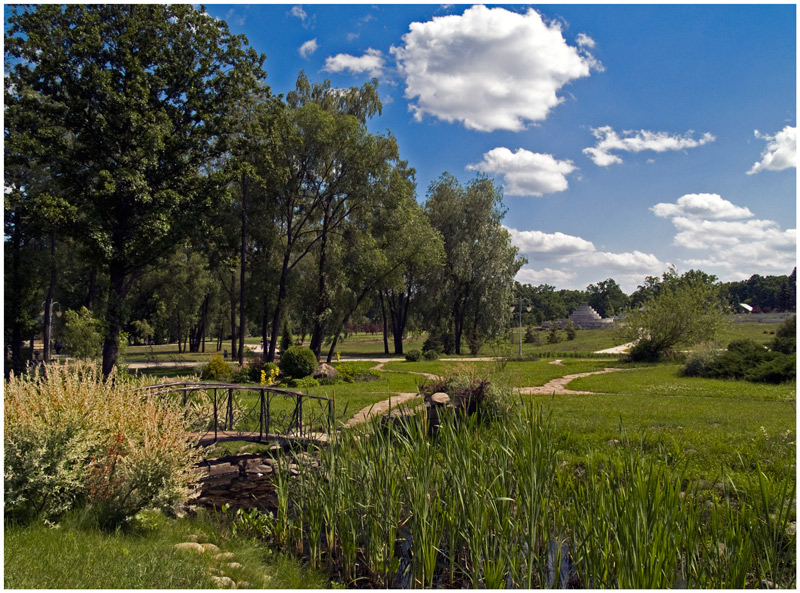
x,y
379,367
559,385
379,408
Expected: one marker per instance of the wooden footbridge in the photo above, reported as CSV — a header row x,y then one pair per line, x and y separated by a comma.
x,y
217,412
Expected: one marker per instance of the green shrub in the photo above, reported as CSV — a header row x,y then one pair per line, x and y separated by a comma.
x,y
645,350
744,360
413,355
82,334
570,329
74,440
367,376
304,382
553,337
216,369
298,362
430,355
286,337
786,337
345,373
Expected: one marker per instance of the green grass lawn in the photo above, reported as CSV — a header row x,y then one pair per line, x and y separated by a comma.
x,y
74,556
713,426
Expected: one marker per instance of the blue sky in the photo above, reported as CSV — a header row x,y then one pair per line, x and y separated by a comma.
x,y
626,138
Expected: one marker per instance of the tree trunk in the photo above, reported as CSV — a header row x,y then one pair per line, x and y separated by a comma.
x,y
233,313
243,267
48,303
276,317
113,317
385,325
322,294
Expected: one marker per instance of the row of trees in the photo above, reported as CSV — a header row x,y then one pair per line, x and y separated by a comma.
x,y
153,177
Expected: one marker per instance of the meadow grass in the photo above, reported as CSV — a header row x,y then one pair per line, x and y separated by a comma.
x,y
78,556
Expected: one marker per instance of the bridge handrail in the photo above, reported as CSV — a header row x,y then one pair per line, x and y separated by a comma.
x,y
202,386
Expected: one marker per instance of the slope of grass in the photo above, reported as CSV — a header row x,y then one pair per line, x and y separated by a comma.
x,y
72,556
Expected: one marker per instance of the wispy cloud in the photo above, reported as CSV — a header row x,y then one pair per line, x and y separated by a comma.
x,y
308,48
489,68
780,153
526,173
638,141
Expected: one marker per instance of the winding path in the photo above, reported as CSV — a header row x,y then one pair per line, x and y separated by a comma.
x,y
559,385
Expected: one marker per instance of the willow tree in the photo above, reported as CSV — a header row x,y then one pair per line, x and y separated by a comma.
x,y
132,102
469,296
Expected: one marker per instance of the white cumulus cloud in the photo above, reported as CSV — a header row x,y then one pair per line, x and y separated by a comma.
x,y
638,141
489,68
558,278
735,242
702,206
526,173
372,62
780,153
550,245
297,11
308,48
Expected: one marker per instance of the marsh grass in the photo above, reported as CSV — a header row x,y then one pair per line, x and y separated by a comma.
x,y
487,505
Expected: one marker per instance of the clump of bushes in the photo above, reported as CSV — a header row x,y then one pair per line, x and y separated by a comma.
x,y
215,369
745,360
470,393
430,355
73,440
414,355
304,382
298,362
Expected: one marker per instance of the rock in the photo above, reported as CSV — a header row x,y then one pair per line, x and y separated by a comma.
x,y
234,565
613,442
224,556
243,585
192,538
324,371
190,547
440,398
210,547
224,582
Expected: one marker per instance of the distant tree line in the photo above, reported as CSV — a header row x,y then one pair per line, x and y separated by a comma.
x,y
153,178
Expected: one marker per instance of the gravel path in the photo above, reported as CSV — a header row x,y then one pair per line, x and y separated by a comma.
x,y
559,385
380,408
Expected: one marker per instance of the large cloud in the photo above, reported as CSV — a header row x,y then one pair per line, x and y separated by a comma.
x,y
489,68
372,62
702,206
637,141
526,173
780,153
557,278
549,245
735,241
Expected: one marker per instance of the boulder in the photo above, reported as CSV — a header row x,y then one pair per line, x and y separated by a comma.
x,y
190,547
324,371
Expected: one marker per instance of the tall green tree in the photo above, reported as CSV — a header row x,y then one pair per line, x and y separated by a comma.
x,y
607,298
132,102
470,294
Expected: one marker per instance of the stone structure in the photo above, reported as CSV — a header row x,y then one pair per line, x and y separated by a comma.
x,y
584,317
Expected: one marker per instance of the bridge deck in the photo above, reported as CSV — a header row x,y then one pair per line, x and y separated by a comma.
x,y
205,439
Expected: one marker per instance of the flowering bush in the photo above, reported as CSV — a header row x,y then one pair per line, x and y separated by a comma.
x,y
73,440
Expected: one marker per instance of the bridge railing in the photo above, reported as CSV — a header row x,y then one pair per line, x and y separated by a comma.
x,y
227,411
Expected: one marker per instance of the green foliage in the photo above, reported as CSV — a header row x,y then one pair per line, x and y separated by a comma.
x,y
570,330
745,360
786,337
345,373
216,369
553,337
607,298
286,336
683,311
532,336
82,334
415,355
73,440
298,362
430,355
304,382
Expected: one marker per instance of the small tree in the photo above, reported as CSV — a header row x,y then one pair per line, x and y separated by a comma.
x,y
685,311
82,333
570,329
553,337
531,337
